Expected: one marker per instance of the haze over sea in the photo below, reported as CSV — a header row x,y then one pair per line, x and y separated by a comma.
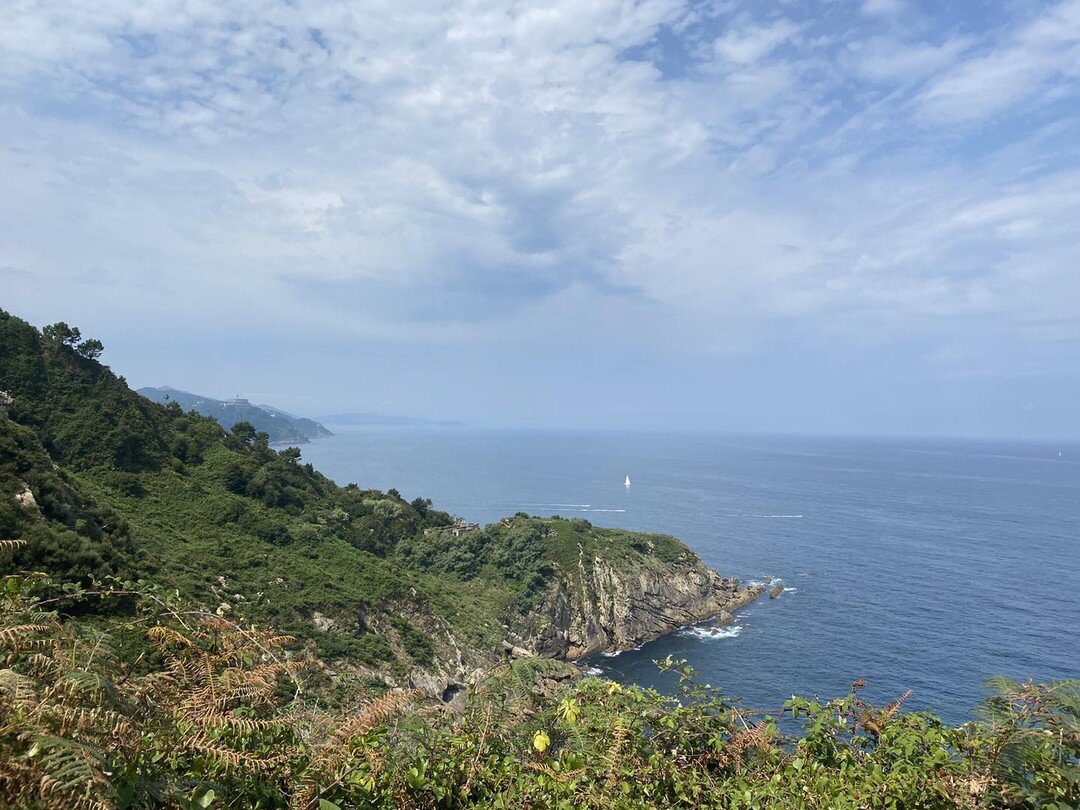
x,y
927,564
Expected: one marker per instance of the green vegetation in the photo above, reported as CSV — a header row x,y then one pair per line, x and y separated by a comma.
x,y
65,530
120,486
212,713
132,672
281,427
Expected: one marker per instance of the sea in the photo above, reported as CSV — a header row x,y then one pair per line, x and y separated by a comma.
x,y
921,564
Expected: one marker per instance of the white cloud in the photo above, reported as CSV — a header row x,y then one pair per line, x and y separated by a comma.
x,y
882,8
1043,52
751,43
440,170
885,59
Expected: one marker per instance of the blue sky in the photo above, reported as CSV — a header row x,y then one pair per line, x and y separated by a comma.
x,y
834,216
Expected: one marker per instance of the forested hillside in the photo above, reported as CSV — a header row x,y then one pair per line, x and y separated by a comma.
x,y
120,486
125,487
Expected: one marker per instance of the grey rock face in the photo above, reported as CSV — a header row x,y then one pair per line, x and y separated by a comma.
x,y
618,607
26,498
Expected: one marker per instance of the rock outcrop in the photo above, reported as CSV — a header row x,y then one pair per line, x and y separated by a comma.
x,y
25,498
614,605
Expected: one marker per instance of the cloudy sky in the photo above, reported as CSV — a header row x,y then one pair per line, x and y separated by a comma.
x,y
811,215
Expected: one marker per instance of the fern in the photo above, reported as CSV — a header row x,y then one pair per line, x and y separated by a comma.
x,y
72,771
1034,738
341,742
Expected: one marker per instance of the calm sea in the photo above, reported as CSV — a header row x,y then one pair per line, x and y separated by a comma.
x,y
922,564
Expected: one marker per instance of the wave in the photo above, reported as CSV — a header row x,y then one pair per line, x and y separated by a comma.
x,y
731,631
589,671
601,510
617,653
761,583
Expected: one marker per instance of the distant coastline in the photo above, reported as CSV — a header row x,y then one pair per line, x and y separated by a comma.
x,y
281,427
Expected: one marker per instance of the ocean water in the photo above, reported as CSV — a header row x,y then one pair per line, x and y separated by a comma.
x,y
928,565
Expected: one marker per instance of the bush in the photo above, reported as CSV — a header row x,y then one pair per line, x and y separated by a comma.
x,y
370,649
416,644
192,710
126,483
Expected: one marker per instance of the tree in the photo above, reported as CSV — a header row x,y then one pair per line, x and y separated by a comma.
x,y
290,454
90,349
129,444
60,334
244,431
235,478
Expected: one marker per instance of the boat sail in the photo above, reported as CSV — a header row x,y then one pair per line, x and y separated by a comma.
x,y
627,482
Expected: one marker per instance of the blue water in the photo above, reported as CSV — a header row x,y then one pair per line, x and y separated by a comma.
x,y
921,564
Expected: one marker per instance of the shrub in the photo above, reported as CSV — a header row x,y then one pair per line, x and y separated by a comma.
x,y
126,483
416,644
182,708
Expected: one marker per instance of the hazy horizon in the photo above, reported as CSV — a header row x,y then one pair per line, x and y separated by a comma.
x,y
419,421
839,218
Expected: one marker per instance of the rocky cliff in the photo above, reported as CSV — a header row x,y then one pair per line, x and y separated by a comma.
x,y
627,589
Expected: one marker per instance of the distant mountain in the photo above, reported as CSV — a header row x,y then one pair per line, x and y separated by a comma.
x,y
282,427
364,418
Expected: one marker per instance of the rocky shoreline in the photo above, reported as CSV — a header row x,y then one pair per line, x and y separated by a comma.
x,y
626,611
612,608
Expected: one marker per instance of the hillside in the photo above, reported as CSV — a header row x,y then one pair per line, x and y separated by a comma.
x,y
279,426
135,489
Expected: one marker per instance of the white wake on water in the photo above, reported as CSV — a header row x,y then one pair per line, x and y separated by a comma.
x,y
751,515
557,505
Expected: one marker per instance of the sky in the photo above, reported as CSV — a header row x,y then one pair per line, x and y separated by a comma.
x,y
814,216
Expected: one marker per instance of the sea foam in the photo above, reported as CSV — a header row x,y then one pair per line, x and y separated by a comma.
x,y
731,631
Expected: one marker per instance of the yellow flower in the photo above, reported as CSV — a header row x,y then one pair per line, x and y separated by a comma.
x,y
568,710
541,741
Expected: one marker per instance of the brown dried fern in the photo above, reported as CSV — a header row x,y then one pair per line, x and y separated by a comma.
x,y
330,755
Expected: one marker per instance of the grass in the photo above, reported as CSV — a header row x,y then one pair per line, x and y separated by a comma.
x,y
286,585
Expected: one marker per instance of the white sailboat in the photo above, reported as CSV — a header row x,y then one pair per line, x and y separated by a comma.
x,y
627,482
